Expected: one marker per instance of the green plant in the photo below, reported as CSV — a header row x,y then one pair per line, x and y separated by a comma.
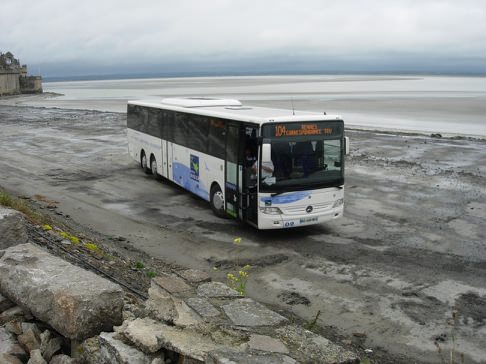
x,y
151,274
313,322
73,239
139,265
93,248
14,203
238,280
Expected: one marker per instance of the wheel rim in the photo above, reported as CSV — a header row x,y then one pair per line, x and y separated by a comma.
x,y
154,167
218,200
144,162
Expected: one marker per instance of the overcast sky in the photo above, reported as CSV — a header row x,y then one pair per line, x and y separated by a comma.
x,y
65,37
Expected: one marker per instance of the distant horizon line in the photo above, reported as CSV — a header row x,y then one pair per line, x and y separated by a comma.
x,y
129,76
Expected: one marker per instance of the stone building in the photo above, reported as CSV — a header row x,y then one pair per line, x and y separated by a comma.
x,y
14,79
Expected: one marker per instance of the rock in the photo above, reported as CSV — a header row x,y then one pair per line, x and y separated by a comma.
x,y
144,334
194,275
158,361
14,327
12,228
5,303
88,352
171,284
163,306
187,342
216,290
436,135
50,345
315,348
9,359
203,307
36,357
62,359
267,343
160,304
246,312
14,313
10,347
76,303
115,351
30,339
235,357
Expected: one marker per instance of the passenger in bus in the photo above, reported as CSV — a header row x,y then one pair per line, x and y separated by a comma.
x,y
267,169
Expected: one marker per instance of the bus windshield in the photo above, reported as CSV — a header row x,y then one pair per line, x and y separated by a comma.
x,y
304,156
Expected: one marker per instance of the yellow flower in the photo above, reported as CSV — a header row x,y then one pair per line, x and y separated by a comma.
x,y
243,274
247,266
46,227
230,276
237,240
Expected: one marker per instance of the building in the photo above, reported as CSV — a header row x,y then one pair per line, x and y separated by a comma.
x,y
14,79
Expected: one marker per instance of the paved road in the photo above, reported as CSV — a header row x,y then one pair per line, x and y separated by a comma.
x,y
408,252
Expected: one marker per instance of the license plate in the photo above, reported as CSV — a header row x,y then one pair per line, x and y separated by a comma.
x,y
307,220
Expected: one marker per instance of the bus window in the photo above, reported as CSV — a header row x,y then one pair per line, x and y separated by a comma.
x,y
217,138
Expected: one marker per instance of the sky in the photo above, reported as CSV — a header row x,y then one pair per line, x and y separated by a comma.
x,y
75,38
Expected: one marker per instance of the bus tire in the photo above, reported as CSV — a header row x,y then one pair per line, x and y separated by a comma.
x,y
143,163
153,167
216,200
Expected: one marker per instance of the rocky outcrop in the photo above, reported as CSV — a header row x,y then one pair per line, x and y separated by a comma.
x,y
12,228
75,302
53,313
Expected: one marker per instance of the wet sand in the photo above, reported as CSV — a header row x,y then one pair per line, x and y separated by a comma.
x,y
427,104
387,276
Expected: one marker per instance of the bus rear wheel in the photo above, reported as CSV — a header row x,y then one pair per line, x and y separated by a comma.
x,y
144,164
153,167
216,200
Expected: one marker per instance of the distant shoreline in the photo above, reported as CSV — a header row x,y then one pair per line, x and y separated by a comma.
x,y
117,77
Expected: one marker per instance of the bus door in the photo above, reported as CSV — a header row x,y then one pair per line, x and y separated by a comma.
x,y
249,200
231,167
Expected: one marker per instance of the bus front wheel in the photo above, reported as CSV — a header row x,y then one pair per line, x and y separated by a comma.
x,y
143,163
217,201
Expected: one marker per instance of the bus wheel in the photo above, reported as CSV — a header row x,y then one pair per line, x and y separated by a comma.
x,y
153,167
217,201
143,163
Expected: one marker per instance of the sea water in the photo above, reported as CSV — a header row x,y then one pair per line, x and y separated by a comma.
x,y
430,104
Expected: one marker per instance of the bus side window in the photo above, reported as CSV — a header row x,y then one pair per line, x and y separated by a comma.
x,y
217,138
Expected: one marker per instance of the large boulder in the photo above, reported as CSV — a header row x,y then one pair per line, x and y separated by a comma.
x,y
77,303
12,228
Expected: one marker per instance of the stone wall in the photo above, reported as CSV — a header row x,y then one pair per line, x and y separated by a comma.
x,y
14,79
30,84
9,83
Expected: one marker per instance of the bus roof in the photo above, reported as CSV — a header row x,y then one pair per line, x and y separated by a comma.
x,y
234,109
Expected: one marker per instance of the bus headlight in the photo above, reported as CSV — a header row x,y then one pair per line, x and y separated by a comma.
x,y
338,203
271,210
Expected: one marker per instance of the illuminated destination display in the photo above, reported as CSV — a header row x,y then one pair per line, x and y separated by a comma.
x,y
286,130
305,129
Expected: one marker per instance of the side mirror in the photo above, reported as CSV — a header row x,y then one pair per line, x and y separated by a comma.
x,y
266,152
346,145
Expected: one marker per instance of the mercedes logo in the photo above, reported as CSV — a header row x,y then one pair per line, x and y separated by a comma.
x,y
309,209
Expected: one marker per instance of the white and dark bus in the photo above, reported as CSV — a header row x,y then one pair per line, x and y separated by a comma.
x,y
271,168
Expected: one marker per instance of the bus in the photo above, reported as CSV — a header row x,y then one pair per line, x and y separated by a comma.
x,y
271,168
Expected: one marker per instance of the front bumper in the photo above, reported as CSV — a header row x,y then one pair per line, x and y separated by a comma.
x,y
267,221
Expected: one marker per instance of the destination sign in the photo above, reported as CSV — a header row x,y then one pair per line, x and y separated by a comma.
x,y
305,129
286,130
